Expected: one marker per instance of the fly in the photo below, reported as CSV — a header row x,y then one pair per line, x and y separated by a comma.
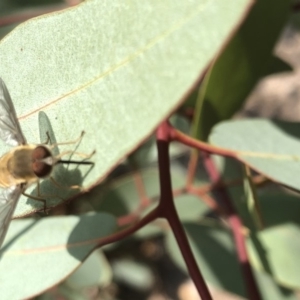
x,y
24,164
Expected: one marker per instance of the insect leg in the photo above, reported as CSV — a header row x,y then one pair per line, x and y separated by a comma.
x,y
83,155
69,142
37,198
71,187
41,198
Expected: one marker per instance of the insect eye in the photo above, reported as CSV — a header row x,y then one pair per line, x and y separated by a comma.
x,y
39,167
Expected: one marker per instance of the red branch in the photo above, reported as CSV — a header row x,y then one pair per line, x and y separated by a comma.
x,y
150,217
233,218
237,229
192,168
168,210
202,146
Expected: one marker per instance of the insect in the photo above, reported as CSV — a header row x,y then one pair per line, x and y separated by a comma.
x,y
24,164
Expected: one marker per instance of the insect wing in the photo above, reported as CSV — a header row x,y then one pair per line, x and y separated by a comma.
x,y
10,131
8,201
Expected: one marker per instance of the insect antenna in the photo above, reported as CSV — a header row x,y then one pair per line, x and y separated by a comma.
x,y
62,161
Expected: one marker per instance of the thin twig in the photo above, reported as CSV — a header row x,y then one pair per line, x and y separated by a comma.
x,y
150,217
176,135
192,168
237,229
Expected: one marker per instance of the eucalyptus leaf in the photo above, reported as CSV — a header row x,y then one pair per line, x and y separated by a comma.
x,y
215,254
112,68
38,254
139,277
278,252
281,245
94,272
270,147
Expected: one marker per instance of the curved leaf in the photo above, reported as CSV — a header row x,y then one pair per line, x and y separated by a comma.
x,y
38,254
215,254
270,147
114,69
282,246
95,271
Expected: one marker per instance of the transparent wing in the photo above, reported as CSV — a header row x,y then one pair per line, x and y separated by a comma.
x,y
8,201
10,131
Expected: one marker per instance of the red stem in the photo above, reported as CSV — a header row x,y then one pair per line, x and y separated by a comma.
x,y
168,210
192,168
237,229
202,146
154,214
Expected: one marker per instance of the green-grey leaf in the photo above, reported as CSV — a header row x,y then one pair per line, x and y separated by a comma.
x,y
216,257
133,273
114,69
282,247
270,147
38,254
214,252
95,271
276,249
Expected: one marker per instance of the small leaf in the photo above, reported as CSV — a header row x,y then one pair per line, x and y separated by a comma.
x,y
133,273
270,289
278,243
38,254
282,247
216,257
269,147
94,271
